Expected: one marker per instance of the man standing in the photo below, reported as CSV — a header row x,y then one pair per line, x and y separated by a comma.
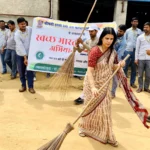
x,y
120,48
142,58
3,33
10,55
131,37
22,38
87,45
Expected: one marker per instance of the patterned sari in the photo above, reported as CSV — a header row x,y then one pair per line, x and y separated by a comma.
x,y
96,122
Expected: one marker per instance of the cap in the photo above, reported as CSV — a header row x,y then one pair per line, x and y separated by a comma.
x,y
93,27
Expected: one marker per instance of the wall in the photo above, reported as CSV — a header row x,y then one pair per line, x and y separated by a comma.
x,y
120,17
23,7
55,9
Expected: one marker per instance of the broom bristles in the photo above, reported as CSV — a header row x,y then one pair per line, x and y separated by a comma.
x,y
61,81
57,142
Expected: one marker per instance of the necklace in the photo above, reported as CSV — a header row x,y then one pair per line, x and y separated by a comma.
x,y
134,32
12,32
147,38
24,34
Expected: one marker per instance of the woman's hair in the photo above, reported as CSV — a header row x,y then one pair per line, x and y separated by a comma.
x,y
108,30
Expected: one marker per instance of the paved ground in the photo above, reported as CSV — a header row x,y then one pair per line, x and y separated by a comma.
x,y
28,121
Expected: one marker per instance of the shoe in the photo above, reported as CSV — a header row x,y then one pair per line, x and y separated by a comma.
x,y
4,72
13,77
133,86
113,96
22,89
139,90
148,119
31,90
79,101
48,75
82,134
80,78
113,144
147,90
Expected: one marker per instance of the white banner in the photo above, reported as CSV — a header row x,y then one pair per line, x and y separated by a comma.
x,y
52,42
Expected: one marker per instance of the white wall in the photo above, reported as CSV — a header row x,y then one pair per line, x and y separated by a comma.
x,y
120,17
55,9
23,7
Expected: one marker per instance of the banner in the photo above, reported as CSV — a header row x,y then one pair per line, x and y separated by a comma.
x,y
52,42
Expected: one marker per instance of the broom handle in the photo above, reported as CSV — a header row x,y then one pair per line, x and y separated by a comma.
x,y
88,18
100,90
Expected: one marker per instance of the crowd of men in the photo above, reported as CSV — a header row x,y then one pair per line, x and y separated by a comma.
x,y
14,49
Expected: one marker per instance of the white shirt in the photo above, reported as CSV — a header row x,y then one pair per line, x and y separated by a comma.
x,y
131,37
3,37
142,44
23,41
11,44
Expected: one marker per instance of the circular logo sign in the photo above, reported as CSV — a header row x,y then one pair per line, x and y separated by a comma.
x,y
39,55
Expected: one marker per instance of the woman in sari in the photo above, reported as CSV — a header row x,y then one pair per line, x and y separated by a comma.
x,y
96,122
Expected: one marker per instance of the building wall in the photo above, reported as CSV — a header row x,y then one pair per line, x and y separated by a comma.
x,y
12,9
55,9
119,16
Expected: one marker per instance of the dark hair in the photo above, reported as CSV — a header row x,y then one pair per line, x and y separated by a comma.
x,y
122,27
2,21
108,30
147,24
26,22
134,18
20,20
6,26
11,22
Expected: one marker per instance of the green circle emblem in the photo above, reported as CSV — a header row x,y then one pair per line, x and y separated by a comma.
x,y
39,55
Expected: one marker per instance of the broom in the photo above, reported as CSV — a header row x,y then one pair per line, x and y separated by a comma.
x,y
61,81
56,143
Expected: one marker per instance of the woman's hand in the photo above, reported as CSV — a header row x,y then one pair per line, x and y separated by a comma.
x,y
95,92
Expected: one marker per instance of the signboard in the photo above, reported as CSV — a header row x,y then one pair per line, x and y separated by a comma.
x,y
52,42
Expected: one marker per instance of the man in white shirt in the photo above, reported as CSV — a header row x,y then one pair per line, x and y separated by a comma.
x,y
131,37
86,45
3,34
10,55
142,58
22,38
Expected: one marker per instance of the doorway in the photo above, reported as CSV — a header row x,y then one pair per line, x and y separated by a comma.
x,y
141,10
78,10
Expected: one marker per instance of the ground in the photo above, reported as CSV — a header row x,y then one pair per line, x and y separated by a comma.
x,y
28,121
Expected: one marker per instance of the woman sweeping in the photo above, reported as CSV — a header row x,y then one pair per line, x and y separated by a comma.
x,y
97,123
96,119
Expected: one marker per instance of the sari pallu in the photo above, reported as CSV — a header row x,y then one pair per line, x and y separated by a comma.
x,y
96,122
132,99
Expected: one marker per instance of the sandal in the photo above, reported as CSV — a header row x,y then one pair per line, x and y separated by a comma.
x,y
113,144
81,134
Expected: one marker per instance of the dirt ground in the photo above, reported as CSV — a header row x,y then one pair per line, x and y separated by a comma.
x,y
28,121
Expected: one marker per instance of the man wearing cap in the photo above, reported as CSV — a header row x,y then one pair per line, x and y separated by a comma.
x,y
88,44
